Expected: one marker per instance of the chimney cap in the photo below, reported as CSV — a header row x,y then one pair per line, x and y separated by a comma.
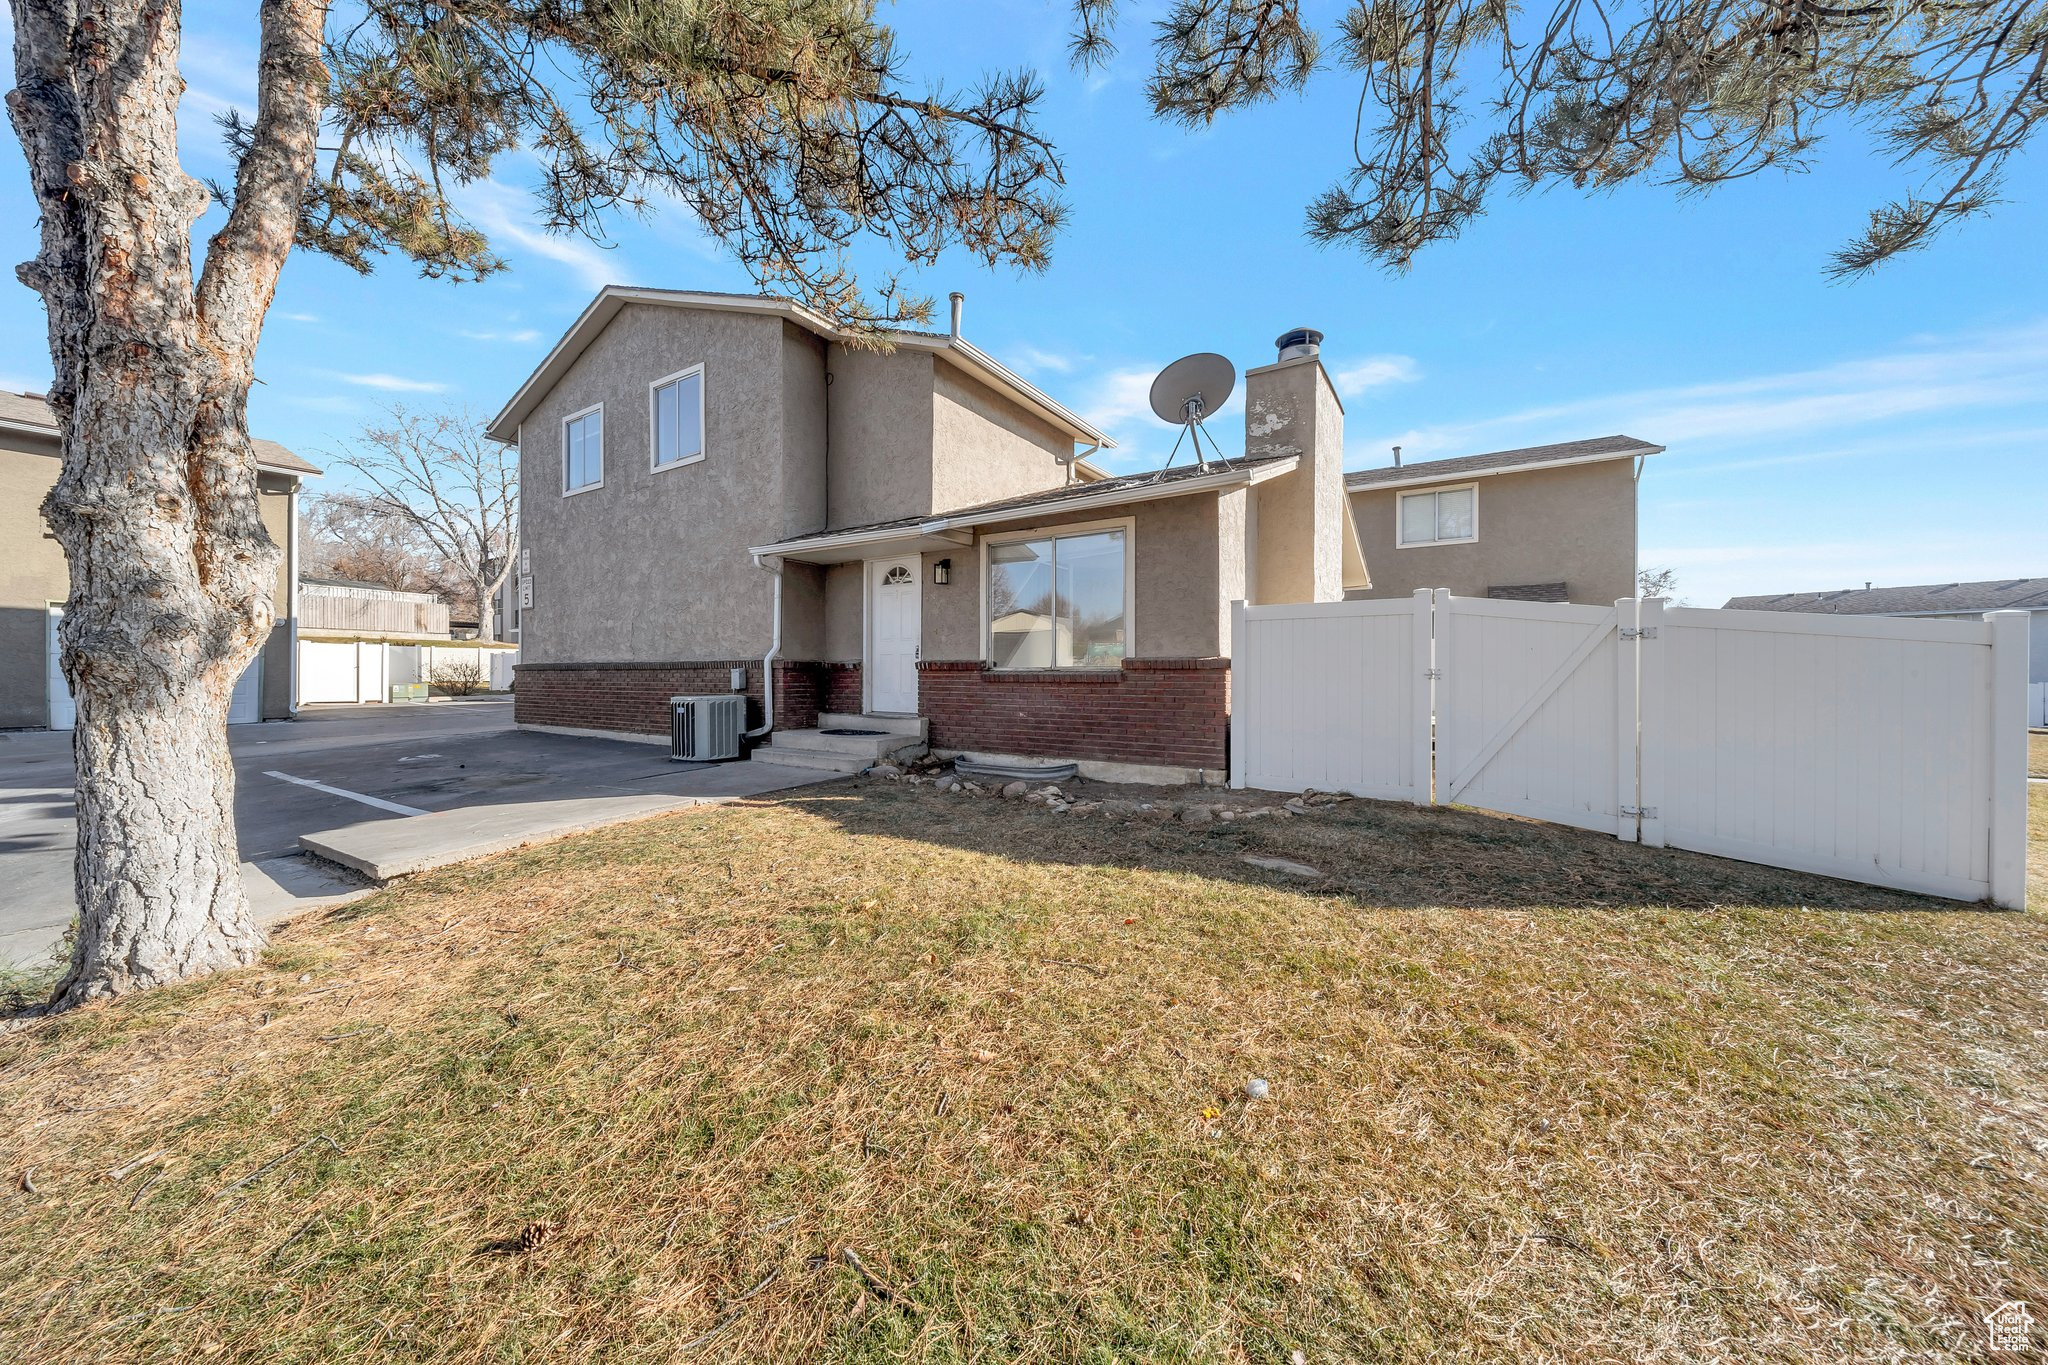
x,y
1300,341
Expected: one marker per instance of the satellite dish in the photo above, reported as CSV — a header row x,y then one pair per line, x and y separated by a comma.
x,y
1187,391
1193,387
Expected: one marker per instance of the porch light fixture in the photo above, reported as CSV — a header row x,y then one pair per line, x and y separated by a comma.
x,y
942,572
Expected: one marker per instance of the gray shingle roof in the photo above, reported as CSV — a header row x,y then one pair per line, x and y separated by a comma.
x,y
1998,594
1504,461
32,410
1051,497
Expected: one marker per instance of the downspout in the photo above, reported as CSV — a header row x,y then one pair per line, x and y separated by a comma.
x,y
1077,457
773,564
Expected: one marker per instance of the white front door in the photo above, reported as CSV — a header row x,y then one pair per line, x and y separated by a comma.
x,y
894,622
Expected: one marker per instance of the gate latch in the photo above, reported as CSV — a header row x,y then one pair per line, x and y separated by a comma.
x,y
1640,812
1432,673
1638,632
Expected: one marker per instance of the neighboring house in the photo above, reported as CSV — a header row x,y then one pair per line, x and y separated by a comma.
x,y
34,582
359,642
1552,523
338,609
725,491
1926,599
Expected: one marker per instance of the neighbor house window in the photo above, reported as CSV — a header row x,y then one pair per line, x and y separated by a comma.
x,y
1059,601
1444,516
677,405
583,450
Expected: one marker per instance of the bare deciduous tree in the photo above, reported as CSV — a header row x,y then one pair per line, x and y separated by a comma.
x,y
784,124
347,536
1687,93
457,491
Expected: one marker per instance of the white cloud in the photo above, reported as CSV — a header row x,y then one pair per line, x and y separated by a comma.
x,y
388,383
1933,375
1029,360
1376,371
1120,402
521,336
297,317
504,212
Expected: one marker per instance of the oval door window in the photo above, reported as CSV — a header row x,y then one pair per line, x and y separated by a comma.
x,y
896,577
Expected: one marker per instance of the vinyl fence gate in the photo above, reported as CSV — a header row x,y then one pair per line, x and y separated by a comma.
x,y
1874,749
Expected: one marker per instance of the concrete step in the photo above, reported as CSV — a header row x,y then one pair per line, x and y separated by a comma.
x,y
895,725
867,747
816,760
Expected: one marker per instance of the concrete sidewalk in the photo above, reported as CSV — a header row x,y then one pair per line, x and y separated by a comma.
x,y
382,849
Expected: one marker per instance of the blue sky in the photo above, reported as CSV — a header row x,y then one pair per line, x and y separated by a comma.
x,y
1821,434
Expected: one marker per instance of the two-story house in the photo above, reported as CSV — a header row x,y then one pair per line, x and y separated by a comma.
x,y
724,491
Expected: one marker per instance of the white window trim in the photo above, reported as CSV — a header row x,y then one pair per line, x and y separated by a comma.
x,y
578,415
1128,525
654,464
1401,542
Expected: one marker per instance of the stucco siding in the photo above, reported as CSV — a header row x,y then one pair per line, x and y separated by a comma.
x,y
803,432
844,605
276,681
881,412
986,447
1180,571
1291,409
1575,525
653,565
32,575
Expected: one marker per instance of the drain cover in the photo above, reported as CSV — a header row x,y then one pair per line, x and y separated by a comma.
x,y
853,732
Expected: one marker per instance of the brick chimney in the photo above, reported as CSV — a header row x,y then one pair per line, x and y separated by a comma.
x,y
1296,535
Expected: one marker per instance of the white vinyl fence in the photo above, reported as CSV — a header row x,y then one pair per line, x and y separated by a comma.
x,y
1889,751
2037,705
366,670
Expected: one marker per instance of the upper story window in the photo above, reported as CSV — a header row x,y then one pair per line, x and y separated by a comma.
x,y
1444,516
583,450
676,418
1059,601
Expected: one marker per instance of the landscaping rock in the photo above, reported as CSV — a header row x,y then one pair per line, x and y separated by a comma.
x,y
1197,815
1287,865
946,784
1014,791
1119,806
888,770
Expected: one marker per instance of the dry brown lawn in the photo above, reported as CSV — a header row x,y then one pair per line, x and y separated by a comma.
x,y
869,1074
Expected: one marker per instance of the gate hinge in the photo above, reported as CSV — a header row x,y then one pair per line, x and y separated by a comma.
x,y
1641,812
1432,673
1638,632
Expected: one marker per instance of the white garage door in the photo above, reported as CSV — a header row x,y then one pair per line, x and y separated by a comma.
x,y
63,714
245,707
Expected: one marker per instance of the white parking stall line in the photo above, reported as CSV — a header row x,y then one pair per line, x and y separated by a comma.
x,y
379,802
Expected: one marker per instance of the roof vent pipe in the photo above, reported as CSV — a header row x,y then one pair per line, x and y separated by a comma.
x,y
1397,457
1299,342
959,302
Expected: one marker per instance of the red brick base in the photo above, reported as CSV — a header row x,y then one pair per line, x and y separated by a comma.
x,y
1168,712
633,698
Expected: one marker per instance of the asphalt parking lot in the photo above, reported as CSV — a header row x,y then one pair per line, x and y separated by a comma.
x,y
331,767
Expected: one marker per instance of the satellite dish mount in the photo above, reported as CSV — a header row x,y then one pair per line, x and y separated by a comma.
x,y
1189,390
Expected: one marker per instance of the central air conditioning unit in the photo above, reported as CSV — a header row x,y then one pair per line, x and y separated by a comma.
x,y
701,729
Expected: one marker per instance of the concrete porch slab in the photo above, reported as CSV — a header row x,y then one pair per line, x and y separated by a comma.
x,y
383,849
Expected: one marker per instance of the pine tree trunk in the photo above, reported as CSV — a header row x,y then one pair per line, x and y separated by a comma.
x,y
156,507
